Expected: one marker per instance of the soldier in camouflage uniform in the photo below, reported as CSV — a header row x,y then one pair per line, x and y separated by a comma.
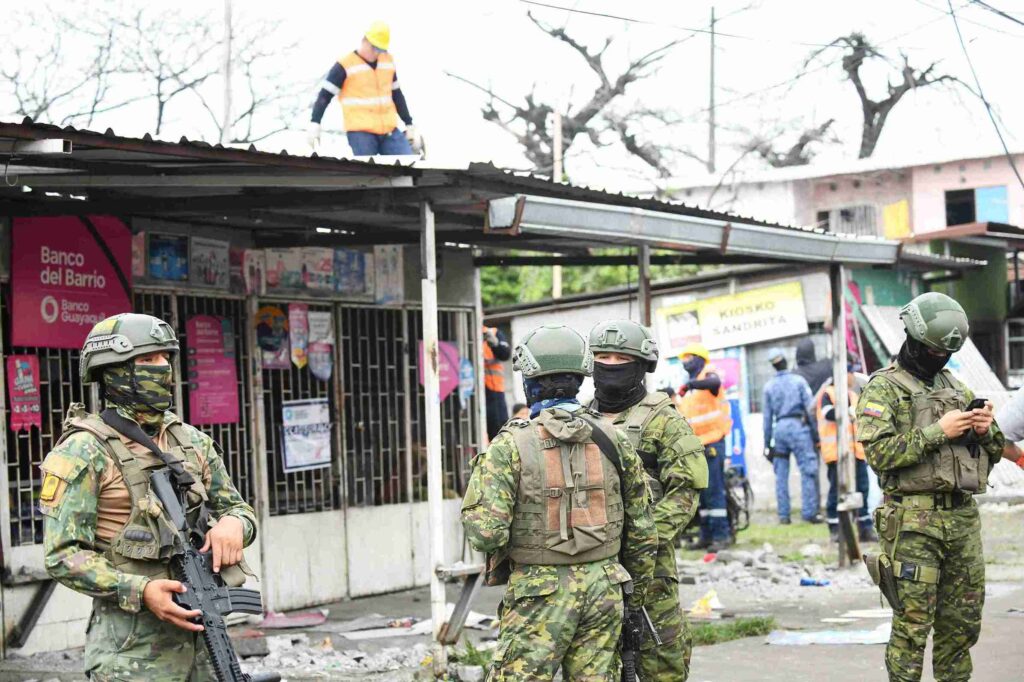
x,y
932,455
673,457
560,507
106,536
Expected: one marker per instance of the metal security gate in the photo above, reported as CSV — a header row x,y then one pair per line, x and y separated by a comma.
x,y
375,405
312,490
59,387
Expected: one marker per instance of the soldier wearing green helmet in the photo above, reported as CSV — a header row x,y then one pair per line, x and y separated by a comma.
x,y
673,457
933,451
556,502
103,534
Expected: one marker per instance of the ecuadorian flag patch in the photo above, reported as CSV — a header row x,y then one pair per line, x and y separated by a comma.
x,y
874,410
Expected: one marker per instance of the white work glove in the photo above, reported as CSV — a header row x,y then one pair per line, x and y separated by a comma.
x,y
313,136
415,140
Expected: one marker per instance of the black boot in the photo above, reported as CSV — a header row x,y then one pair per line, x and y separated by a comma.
x,y
833,532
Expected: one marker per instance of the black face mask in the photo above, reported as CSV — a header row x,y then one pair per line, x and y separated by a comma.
x,y
618,387
915,358
693,366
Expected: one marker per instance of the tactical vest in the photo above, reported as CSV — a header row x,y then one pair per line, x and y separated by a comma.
x,y
951,466
569,506
148,539
634,426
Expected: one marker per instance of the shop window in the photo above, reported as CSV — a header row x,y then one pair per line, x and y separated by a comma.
x,y
981,205
1015,346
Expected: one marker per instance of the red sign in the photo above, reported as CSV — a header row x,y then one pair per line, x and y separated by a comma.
x,y
23,392
63,280
211,371
448,367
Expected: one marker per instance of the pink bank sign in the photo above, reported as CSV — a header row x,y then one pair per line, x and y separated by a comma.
x,y
64,278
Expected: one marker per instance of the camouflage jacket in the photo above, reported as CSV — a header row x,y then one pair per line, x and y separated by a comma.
x,y
489,506
72,554
682,468
891,441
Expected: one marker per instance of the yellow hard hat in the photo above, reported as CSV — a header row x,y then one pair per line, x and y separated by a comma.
x,y
379,35
697,349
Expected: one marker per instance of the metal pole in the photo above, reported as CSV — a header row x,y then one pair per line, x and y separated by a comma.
x,y
478,362
711,101
432,415
556,176
644,284
845,472
225,131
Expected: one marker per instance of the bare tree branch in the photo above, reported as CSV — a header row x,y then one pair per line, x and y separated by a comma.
x,y
799,153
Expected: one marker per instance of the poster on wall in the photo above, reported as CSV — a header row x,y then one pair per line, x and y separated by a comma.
x,y
321,344
139,254
678,327
168,258
254,270
284,269
298,332
63,281
210,265
318,268
211,370
23,392
448,366
350,271
467,382
389,275
306,426
272,337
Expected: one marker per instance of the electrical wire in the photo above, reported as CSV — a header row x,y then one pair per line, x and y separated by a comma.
x,y
981,95
1000,12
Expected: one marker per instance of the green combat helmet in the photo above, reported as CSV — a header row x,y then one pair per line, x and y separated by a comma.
x,y
625,337
937,321
553,349
121,338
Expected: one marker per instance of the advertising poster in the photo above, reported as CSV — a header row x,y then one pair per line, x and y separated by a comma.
x,y
254,271
139,254
448,366
211,371
272,337
389,276
307,434
350,271
467,382
210,266
168,258
63,282
23,392
678,327
321,344
236,259
284,269
298,332
318,266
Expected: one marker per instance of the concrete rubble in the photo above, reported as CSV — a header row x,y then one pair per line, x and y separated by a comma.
x,y
300,658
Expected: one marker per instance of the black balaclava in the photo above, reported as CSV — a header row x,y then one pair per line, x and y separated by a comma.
x,y
619,387
551,390
693,365
915,358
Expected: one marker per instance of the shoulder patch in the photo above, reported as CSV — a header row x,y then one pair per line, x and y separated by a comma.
x,y
517,423
873,409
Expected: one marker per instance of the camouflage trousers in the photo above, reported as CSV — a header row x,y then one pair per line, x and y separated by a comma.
x,y
949,540
138,646
567,617
669,662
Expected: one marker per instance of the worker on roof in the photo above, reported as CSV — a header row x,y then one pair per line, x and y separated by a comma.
x,y
366,84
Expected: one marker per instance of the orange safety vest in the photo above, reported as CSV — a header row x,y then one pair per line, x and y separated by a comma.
x,y
709,415
366,95
494,372
828,431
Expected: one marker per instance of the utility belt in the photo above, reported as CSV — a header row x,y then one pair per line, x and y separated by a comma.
x,y
799,416
951,500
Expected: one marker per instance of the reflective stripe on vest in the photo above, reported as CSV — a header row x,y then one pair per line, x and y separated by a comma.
x,y
708,414
828,431
366,95
494,372
569,508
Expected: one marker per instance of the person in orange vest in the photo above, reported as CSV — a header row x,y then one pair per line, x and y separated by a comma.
x,y
828,431
705,406
366,84
496,351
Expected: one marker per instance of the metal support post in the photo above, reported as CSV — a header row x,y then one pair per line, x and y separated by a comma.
x,y
849,548
478,361
644,284
432,416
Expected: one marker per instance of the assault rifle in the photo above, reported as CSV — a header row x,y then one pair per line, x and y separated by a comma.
x,y
635,625
206,590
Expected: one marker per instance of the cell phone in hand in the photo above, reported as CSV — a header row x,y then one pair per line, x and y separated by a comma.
x,y
976,404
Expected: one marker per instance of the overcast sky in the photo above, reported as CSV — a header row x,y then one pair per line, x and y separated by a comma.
x,y
492,42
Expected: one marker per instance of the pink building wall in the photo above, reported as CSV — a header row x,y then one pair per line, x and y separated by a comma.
x,y
930,183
